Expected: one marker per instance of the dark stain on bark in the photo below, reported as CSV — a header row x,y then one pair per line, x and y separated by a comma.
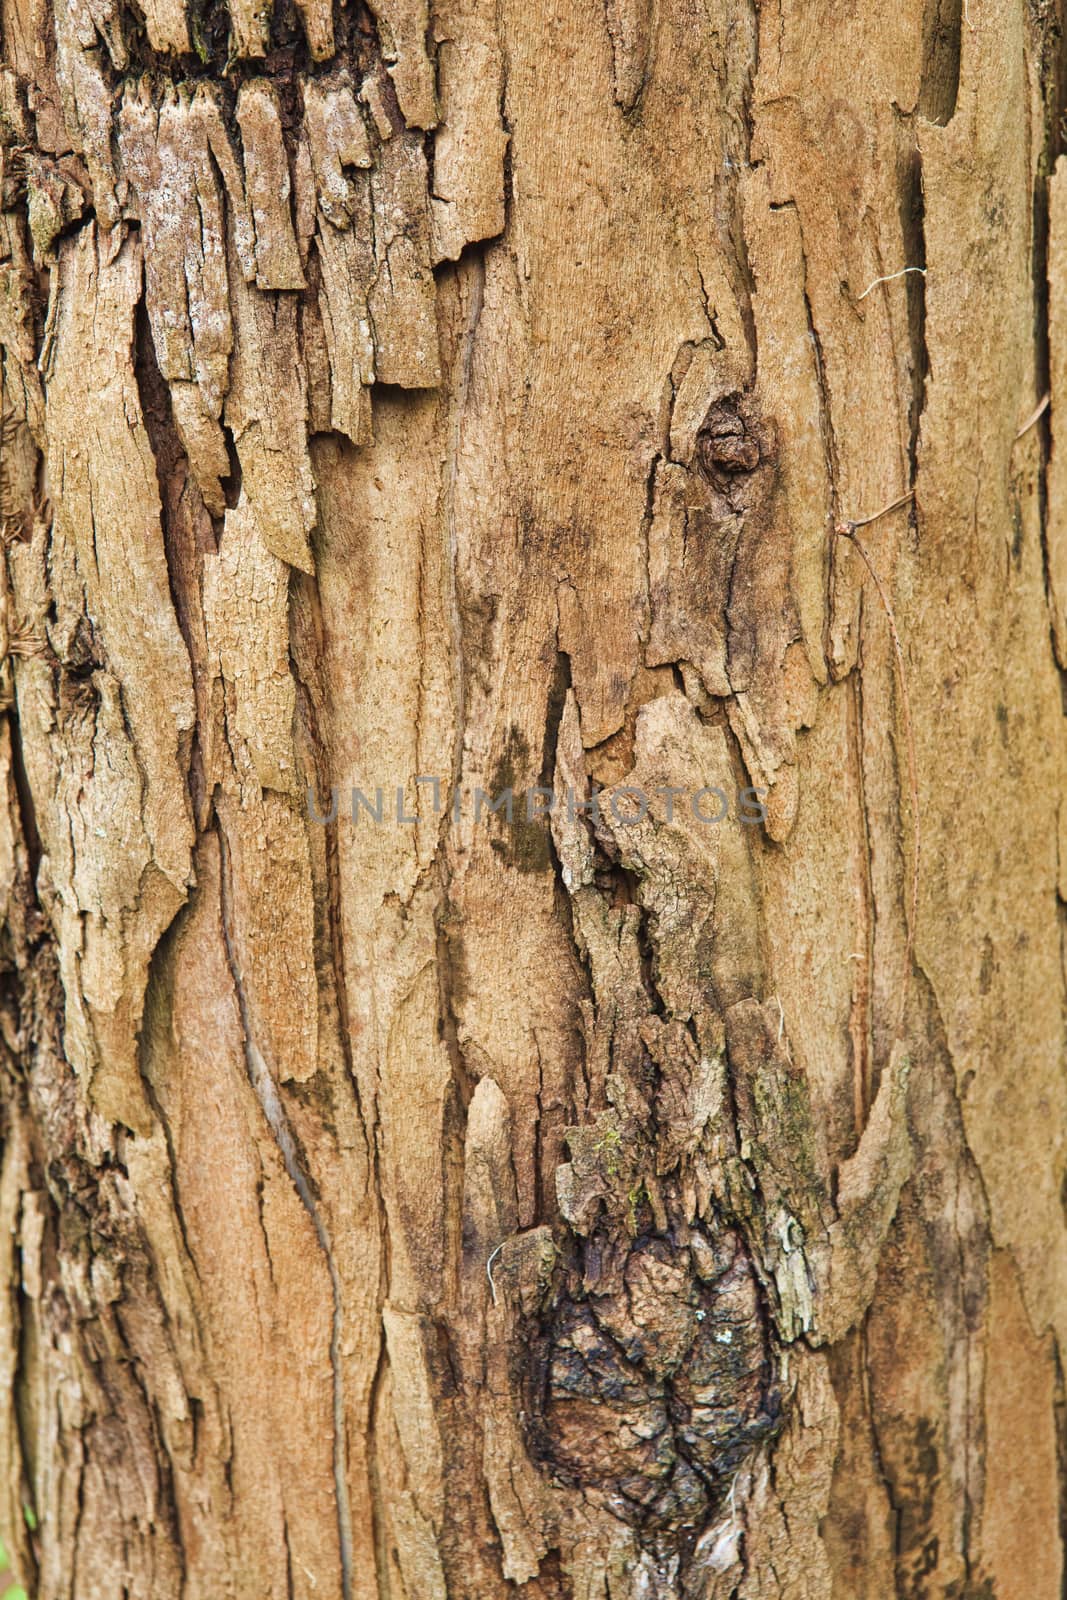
x,y
652,1377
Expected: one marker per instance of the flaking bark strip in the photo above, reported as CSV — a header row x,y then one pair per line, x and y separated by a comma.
x,y
267,181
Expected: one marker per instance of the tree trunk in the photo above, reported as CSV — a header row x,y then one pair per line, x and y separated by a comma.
x,y
651,1184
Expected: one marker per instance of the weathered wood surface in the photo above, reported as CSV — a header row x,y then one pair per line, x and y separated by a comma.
x,y
472,390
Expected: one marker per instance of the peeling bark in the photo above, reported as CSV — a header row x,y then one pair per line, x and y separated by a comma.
x,y
456,831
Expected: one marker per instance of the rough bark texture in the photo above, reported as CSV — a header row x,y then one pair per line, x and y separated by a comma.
x,y
474,389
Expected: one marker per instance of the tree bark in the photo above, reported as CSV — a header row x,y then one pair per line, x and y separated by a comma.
x,y
631,407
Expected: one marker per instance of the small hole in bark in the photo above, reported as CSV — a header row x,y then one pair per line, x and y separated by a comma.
x,y
231,484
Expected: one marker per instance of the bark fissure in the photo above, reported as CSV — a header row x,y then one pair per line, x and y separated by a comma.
x,y
266,1091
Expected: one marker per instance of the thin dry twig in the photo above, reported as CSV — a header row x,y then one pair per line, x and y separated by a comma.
x,y
890,277
1036,414
489,1270
876,516
847,530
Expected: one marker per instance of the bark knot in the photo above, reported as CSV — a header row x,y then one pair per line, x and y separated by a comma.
x,y
733,441
655,1377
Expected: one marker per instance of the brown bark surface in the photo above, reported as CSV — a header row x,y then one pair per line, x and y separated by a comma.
x,y
612,1206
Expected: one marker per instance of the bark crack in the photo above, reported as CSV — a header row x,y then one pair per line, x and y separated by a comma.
x,y
266,1092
